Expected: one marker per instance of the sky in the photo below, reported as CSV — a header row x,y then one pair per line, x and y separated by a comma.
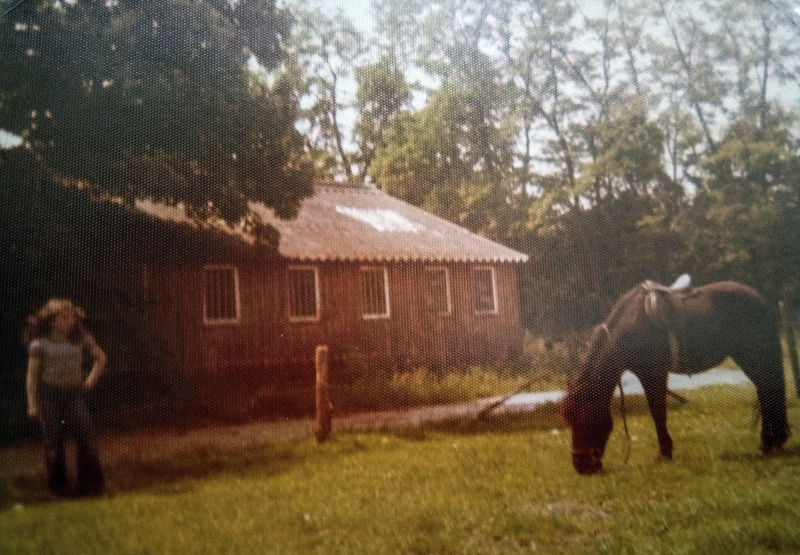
x,y
359,11
9,140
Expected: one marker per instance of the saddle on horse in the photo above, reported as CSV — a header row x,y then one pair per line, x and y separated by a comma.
x,y
664,306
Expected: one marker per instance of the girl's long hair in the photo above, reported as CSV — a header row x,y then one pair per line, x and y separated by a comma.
x,y
40,323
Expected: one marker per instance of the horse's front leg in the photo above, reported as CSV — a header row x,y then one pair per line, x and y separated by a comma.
x,y
655,389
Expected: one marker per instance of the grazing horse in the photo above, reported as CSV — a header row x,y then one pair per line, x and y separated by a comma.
x,y
653,330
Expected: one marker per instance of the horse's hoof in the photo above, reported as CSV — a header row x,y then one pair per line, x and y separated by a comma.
x,y
772,451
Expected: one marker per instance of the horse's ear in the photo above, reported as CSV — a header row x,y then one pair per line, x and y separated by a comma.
x,y
600,333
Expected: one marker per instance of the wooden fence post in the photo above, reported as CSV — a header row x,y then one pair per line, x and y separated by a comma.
x,y
324,406
788,329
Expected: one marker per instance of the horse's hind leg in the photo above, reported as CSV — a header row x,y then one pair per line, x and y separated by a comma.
x,y
766,373
774,425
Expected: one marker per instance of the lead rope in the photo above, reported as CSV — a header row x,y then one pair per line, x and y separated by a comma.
x,y
624,422
621,407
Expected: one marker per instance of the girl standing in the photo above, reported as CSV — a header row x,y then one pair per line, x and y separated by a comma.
x,y
57,343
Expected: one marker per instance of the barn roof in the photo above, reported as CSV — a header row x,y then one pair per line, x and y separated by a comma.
x,y
362,223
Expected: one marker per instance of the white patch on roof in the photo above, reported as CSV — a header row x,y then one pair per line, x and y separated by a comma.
x,y
382,219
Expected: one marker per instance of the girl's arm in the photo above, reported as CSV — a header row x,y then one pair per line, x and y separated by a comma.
x,y
99,365
32,385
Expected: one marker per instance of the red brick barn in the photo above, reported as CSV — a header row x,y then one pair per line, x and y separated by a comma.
x,y
385,285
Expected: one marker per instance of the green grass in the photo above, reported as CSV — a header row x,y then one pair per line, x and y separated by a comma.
x,y
503,485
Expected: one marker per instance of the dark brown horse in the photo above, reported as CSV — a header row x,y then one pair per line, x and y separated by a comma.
x,y
653,330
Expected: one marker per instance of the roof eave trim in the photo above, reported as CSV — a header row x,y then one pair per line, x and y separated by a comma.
x,y
410,259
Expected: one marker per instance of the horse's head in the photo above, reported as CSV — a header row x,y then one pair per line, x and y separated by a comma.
x,y
591,425
587,405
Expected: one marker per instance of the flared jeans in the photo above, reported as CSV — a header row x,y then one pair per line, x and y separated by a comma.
x,y
63,416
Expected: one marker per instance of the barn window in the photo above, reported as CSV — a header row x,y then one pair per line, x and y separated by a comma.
x,y
485,290
374,293
221,301
303,282
437,291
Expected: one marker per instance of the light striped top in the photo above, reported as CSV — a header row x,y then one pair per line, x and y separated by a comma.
x,y
62,361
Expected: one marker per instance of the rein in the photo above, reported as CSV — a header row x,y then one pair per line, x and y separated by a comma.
x,y
621,407
624,422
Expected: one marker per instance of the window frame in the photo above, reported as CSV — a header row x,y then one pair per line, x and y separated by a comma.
x,y
429,270
216,321
493,282
385,275
317,296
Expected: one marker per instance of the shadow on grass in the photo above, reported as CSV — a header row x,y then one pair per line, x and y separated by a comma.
x,y
171,475
787,453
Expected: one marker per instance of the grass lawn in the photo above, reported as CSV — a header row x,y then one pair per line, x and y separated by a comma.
x,y
505,485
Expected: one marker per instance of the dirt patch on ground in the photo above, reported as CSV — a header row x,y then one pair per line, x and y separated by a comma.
x,y
25,461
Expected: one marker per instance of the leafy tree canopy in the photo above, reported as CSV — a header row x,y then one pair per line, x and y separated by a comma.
x,y
155,100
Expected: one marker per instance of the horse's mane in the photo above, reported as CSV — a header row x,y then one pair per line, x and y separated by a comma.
x,y
585,384
601,332
621,304
582,386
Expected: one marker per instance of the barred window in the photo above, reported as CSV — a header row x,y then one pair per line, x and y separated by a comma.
x,y
485,291
303,283
221,300
437,291
374,293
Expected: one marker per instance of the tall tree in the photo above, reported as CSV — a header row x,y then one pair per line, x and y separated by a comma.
x,y
420,160
759,43
628,156
382,93
538,70
327,49
155,100
745,224
687,62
